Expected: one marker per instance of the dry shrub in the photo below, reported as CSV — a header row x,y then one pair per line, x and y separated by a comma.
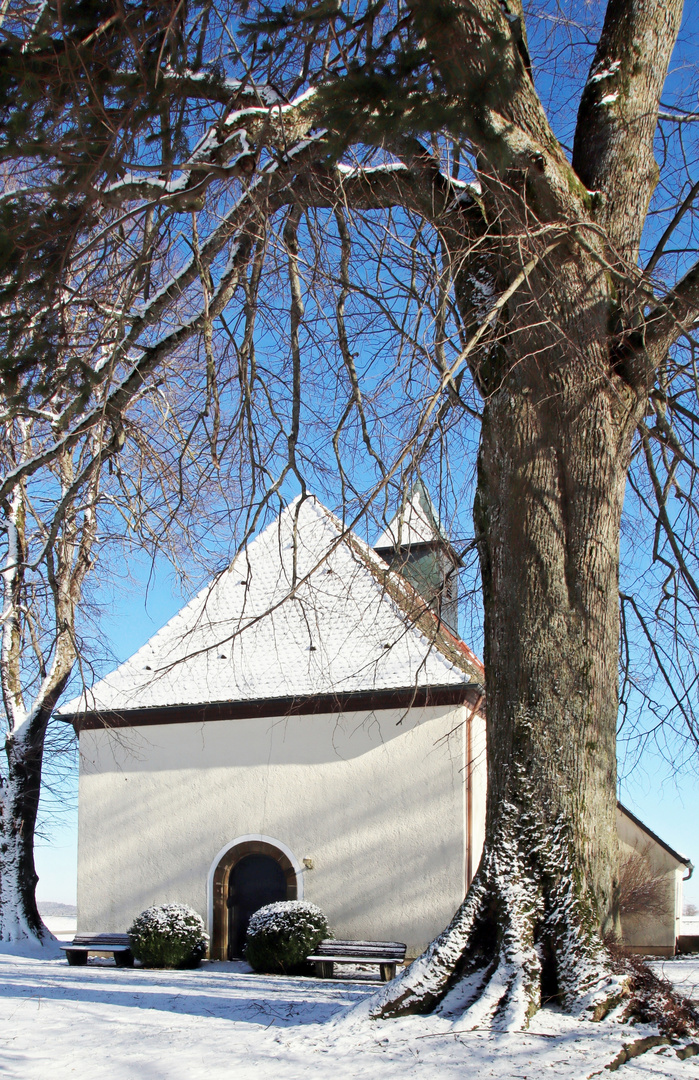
x,y
652,998
641,891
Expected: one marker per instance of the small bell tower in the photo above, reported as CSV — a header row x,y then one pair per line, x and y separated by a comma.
x,y
415,545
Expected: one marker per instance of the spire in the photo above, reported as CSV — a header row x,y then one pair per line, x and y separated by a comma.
x,y
415,522
415,544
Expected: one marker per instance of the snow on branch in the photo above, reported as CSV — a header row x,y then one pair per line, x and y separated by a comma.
x,y
230,146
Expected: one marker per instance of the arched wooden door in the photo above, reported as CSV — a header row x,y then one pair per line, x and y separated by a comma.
x,y
254,881
249,875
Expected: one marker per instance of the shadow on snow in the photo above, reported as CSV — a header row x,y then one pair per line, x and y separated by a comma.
x,y
215,990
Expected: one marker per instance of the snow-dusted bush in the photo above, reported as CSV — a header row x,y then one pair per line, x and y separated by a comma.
x,y
280,936
168,936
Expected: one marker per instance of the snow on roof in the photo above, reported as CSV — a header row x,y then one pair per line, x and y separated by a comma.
x,y
303,610
415,522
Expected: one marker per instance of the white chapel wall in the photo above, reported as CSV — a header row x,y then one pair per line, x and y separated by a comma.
x,y
646,932
478,775
376,801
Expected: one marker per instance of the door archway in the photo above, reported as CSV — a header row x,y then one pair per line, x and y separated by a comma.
x,y
249,874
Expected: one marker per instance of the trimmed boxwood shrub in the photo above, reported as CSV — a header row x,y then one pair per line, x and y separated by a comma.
x,y
168,936
280,936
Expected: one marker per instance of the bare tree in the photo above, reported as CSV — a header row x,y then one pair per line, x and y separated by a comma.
x,y
69,264
377,235
641,890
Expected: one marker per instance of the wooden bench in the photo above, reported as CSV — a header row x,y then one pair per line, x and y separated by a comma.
x,y
387,954
118,944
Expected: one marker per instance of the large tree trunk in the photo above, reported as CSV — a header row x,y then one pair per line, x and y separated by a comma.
x,y
555,448
20,789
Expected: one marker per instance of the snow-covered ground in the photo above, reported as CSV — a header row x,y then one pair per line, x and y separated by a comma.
x,y
683,973
221,1021
63,926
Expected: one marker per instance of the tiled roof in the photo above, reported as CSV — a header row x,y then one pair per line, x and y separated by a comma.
x,y
304,610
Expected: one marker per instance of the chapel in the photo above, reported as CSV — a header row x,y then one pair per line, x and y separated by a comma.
x,y
310,725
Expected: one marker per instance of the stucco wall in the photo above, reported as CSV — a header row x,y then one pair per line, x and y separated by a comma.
x,y
478,777
645,931
376,801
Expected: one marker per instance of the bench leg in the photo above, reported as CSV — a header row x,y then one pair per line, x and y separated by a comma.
x,y
124,959
388,972
76,957
324,969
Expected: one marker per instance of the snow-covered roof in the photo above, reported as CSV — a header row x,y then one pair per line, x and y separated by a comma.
x,y
304,610
415,522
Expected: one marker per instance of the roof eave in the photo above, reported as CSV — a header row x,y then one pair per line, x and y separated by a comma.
x,y
654,836
352,701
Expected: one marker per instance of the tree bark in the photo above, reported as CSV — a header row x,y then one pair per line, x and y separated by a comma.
x,y
67,545
19,804
555,449
551,487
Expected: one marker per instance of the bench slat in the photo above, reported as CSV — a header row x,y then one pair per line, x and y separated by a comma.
x,y
363,944
354,959
88,939
393,950
369,954
100,946
365,952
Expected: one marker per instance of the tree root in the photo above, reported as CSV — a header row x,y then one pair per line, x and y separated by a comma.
x,y
642,1046
520,937
634,1050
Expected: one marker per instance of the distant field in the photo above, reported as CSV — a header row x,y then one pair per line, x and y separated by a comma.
x,y
50,908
